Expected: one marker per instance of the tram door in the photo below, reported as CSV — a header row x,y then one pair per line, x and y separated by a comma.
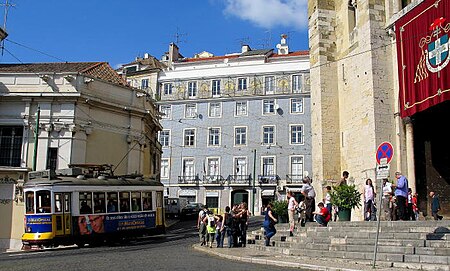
x,y
62,213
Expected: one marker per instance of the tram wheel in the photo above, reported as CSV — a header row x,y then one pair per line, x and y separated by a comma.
x,y
80,245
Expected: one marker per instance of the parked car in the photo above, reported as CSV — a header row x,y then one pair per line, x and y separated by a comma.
x,y
174,205
191,210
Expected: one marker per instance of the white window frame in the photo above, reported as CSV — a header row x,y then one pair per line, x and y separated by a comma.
x,y
242,83
192,166
168,88
296,83
192,89
190,111
185,137
215,113
217,136
302,134
274,140
164,108
265,171
269,85
168,138
240,137
291,165
215,88
268,106
238,112
165,168
297,103
146,81
241,166
209,165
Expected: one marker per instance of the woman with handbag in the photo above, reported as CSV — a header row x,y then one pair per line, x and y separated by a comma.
x,y
269,224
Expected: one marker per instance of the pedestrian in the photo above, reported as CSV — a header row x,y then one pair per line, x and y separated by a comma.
x,y
401,193
435,206
301,213
244,216
292,204
369,196
308,191
210,222
386,200
220,233
411,215
415,206
327,199
269,224
228,225
201,226
322,216
344,179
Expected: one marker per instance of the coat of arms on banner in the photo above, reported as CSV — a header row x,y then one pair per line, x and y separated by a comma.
x,y
435,50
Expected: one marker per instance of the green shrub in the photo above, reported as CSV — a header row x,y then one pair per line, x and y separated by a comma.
x,y
345,197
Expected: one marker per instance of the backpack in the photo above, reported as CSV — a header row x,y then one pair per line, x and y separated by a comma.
x,y
211,221
229,220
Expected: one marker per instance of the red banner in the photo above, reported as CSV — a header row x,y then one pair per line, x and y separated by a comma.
x,y
423,55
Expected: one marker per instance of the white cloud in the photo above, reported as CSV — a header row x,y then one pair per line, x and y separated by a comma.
x,y
270,13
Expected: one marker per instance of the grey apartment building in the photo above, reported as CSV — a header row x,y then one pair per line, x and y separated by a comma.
x,y
235,127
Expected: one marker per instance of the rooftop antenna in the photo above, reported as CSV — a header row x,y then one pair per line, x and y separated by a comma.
x,y
178,36
7,5
244,41
267,41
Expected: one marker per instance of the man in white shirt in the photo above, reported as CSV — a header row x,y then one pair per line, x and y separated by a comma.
x,y
292,204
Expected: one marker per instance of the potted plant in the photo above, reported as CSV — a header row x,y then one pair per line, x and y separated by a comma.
x,y
345,197
280,209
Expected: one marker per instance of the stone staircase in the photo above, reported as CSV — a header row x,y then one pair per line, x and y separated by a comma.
x,y
420,245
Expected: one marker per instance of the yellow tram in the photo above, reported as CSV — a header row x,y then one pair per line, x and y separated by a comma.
x,y
75,208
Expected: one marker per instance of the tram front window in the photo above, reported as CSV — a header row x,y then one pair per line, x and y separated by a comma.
x,y
43,203
29,202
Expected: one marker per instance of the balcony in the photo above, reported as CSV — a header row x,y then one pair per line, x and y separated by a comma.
x,y
294,179
268,179
188,180
213,180
239,179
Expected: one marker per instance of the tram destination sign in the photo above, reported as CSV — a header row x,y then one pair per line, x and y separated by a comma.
x,y
40,174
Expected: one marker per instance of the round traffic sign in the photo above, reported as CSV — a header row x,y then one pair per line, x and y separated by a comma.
x,y
385,150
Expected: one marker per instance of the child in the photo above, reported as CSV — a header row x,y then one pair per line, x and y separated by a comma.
x,y
323,216
327,199
301,207
220,232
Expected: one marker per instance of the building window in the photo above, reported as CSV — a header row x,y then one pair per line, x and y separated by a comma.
x,y
351,15
168,88
297,167
269,135
240,166
144,83
166,111
190,111
405,3
297,105
52,158
296,134
214,137
241,108
164,138
189,169
165,168
213,167
192,89
215,110
215,88
269,84
189,137
212,202
242,84
268,166
268,106
240,135
11,145
296,84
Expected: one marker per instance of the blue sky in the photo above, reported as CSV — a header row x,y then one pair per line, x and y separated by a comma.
x,y
116,31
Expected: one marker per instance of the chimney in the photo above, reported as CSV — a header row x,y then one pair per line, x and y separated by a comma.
x,y
283,48
245,49
173,53
146,55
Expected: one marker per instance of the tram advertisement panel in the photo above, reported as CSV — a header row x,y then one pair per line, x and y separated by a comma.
x,y
38,223
109,223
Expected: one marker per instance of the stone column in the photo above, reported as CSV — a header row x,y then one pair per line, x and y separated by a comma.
x,y
410,161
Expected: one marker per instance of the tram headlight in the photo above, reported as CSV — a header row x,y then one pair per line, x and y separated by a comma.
x,y
28,229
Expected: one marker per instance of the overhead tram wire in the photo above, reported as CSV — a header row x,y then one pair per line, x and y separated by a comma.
x,y
36,50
